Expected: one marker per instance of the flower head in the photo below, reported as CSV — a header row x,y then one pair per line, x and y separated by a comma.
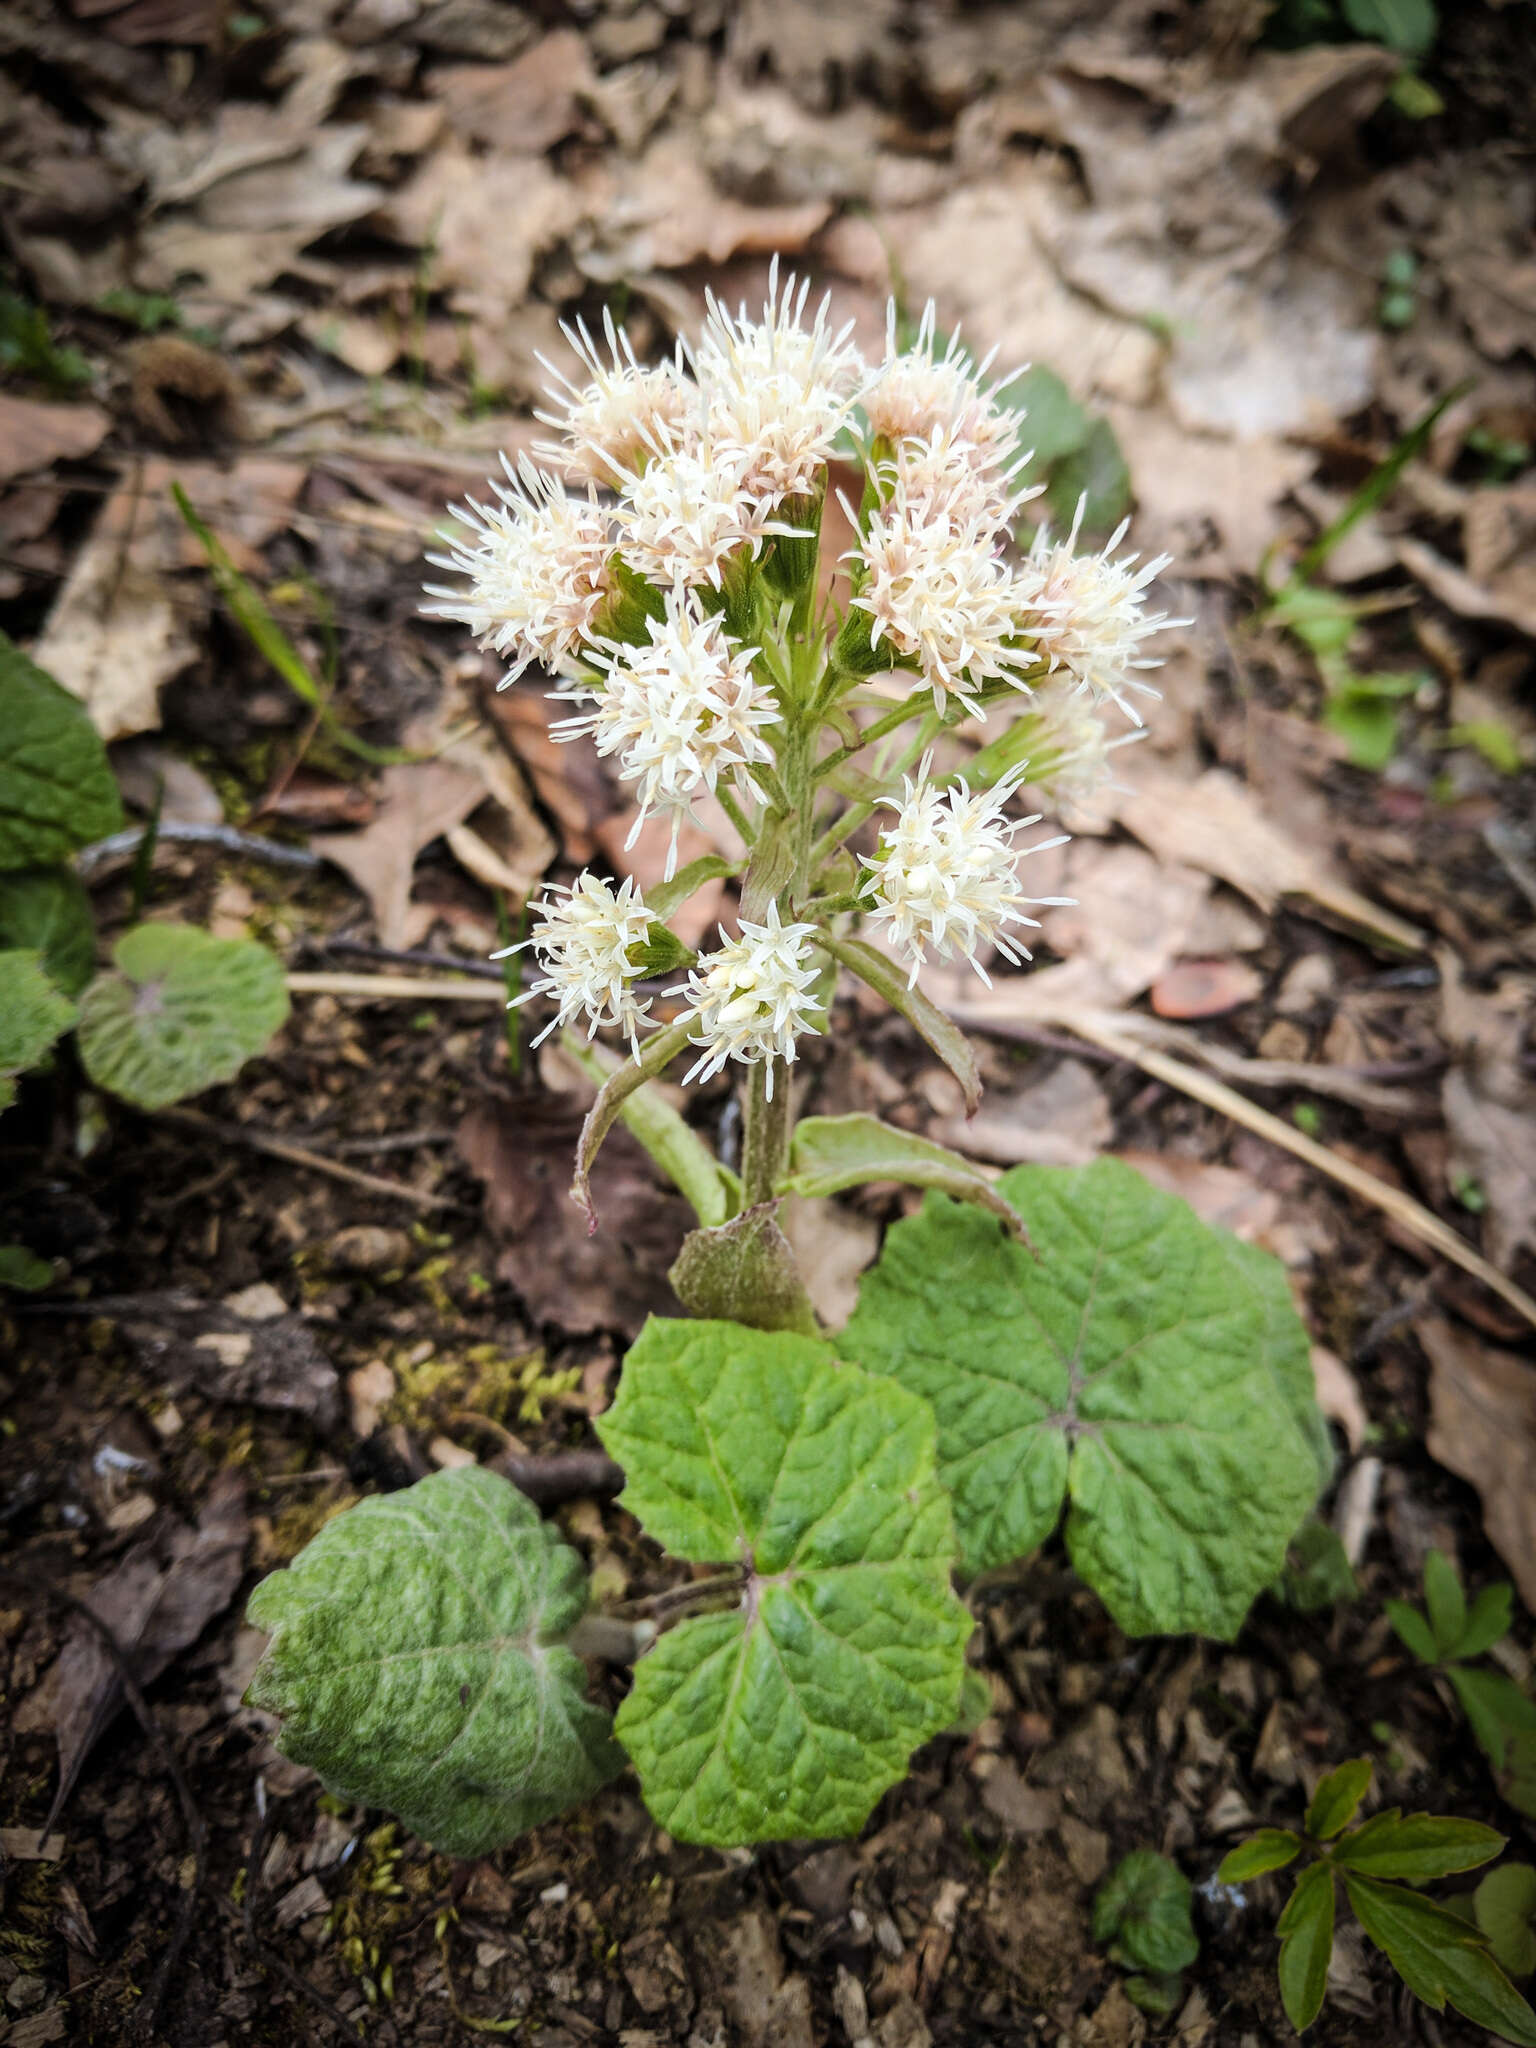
x,y
681,712
916,390
687,511
538,569
778,392
1097,617
624,413
936,586
945,873
583,942
936,472
751,998
1069,746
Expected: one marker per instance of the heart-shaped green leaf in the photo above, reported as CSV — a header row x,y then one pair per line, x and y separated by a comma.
x,y
1149,1367
48,910
181,1012
418,1662
57,790
32,1015
789,1714
1143,1908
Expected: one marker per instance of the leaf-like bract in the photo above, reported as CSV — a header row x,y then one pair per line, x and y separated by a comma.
x,y
32,1015
1306,1942
1337,1798
57,790
789,1714
180,1012
1418,1847
48,911
1268,1849
1149,1367
1442,1959
417,1662
830,1153
1143,1907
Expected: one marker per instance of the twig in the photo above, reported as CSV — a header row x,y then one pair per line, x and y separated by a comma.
x,y
192,1819
419,956
1422,1222
298,1155
90,860
396,988
562,1475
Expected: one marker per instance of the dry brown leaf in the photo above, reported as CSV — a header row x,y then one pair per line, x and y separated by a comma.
x,y
523,108
1192,489
34,434
156,1602
419,801
1483,1428
832,1245
1338,1395
1219,825
524,1151
1219,1195
114,638
1489,1100
664,212
1462,593
1063,1119
487,220
1204,988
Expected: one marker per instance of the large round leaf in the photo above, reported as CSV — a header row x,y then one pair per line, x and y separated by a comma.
x,y
789,1713
1137,1362
48,910
57,790
182,1011
418,1662
32,1015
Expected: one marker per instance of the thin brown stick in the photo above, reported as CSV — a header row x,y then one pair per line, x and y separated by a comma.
x,y
396,988
561,1475
299,1155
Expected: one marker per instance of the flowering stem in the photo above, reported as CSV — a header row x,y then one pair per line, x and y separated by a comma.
x,y
888,722
735,813
767,1124
855,815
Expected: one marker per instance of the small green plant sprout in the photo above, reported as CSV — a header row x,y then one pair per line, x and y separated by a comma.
x,y
179,1009
1318,1573
1141,1914
1446,1635
1127,1368
1442,1958
1504,1906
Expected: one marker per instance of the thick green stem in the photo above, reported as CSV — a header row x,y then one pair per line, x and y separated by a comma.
x,y
767,1127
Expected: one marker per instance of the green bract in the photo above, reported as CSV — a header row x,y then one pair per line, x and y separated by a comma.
x,y
417,1662
1142,1365
32,1015
183,1011
56,788
789,1714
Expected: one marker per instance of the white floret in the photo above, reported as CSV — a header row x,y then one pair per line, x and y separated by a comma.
x,y
751,999
583,941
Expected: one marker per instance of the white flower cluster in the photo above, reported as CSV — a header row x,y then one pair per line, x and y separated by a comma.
x,y
945,873
622,562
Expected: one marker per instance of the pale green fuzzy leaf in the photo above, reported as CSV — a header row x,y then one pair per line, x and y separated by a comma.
x,y
32,1015
181,1011
418,1662
48,910
1306,1943
790,1714
57,790
1337,1799
830,1153
1505,1905
1143,1908
1142,1363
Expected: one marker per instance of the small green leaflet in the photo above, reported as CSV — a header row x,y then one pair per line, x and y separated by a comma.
x,y
1417,1847
1503,1720
182,1011
23,1270
57,791
1337,1799
1407,27
48,910
1146,1367
1445,1601
1269,1849
32,1015
1505,1905
418,1662
1306,1942
1413,1630
1442,1959
1143,1908
789,1714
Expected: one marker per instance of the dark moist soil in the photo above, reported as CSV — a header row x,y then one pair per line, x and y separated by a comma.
x,y
961,1916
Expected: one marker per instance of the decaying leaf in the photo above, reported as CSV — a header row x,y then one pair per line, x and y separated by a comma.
x,y
1483,1428
419,801
1489,1100
34,434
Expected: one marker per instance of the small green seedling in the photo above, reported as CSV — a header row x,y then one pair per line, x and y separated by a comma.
x,y
1141,1913
1504,1906
1445,1636
1317,1572
1442,1958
